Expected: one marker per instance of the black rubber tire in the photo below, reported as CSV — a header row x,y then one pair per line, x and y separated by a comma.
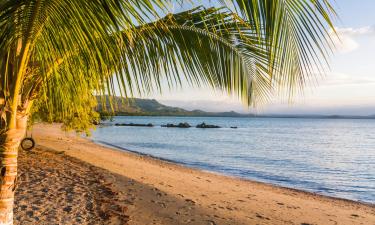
x,y
24,141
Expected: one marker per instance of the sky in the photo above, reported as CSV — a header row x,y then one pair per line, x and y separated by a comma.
x,y
348,88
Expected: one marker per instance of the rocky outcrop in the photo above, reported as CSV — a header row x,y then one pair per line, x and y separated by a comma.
x,y
204,125
135,124
180,125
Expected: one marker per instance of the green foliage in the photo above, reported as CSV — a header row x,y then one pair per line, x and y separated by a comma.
x,y
105,115
79,116
297,32
58,53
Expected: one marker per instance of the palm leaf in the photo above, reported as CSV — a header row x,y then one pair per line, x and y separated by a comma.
x,y
59,51
298,34
208,47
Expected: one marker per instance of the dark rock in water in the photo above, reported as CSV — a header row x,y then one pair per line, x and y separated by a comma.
x,y
184,125
134,124
233,127
180,125
204,125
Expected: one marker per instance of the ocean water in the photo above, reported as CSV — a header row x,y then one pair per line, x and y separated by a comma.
x,y
334,157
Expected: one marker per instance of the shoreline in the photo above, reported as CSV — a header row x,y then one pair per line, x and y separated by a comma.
x,y
177,163
207,196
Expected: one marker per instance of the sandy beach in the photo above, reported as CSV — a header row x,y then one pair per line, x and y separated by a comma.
x,y
55,188
71,180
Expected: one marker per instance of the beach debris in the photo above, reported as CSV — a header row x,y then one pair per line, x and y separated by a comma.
x,y
180,125
204,125
135,124
234,127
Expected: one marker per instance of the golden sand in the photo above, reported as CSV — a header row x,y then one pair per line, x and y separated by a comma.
x,y
159,192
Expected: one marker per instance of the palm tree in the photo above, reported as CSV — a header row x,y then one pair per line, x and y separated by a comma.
x,y
58,53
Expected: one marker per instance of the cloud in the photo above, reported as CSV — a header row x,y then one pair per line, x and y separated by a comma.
x,y
346,40
349,31
345,44
339,79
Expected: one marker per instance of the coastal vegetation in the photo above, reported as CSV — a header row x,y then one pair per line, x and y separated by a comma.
x,y
55,56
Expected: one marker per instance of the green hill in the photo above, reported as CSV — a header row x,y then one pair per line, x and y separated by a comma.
x,y
151,107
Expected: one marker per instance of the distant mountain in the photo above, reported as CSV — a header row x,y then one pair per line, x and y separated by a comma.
x,y
151,107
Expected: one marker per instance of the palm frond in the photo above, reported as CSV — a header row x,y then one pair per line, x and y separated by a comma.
x,y
210,47
298,34
57,51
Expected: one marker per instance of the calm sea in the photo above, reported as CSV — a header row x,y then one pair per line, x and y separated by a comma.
x,y
334,157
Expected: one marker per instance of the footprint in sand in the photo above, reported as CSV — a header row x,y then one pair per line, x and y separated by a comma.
x,y
261,217
189,220
30,213
190,201
162,204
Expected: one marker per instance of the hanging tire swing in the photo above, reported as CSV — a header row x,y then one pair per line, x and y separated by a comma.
x,y
28,143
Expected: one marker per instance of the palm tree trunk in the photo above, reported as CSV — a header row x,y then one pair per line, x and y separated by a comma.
x,y
9,144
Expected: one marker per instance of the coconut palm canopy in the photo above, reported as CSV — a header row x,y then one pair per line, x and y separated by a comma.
x,y
56,54
60,52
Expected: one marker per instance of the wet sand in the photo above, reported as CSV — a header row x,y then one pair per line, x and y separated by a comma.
x,y
144,190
